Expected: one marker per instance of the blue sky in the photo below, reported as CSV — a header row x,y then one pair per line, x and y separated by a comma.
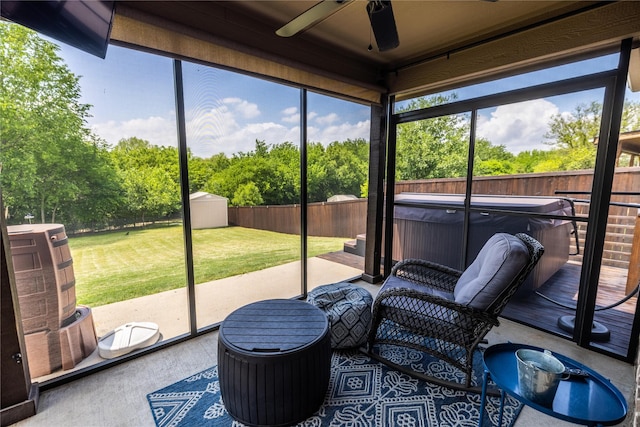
x,y
132,95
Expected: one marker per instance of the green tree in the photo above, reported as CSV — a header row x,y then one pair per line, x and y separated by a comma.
x,y
630,116
271,173
340,168
202,170
150,177
47,155
262,149
575,135
100,197
274,170
348,162
247,195
492,159
527,161
284,160
576,130
432,148
319,173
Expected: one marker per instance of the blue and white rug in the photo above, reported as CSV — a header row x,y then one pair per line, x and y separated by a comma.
x,y
362,393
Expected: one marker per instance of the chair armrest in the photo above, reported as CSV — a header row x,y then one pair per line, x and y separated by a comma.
x,y
427,273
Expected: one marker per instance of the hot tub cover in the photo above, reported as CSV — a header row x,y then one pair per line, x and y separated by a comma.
x,y
449,209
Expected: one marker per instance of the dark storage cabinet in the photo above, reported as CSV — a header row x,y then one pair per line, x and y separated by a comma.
x,y
274,360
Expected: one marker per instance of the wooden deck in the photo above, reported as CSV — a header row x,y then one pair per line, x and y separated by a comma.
x,y
345,258
534,310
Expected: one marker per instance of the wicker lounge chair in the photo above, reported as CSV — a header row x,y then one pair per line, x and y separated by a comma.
x,y
446,312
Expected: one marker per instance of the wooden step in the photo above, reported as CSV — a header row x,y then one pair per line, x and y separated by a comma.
x,y
356,247
350,244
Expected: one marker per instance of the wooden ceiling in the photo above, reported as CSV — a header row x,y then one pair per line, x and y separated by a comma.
x,y
425,28
337,46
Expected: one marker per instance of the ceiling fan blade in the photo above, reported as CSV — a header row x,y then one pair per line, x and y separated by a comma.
x,y
383,24
311,16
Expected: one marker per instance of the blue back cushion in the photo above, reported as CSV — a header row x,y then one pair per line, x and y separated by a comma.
x,y
498,263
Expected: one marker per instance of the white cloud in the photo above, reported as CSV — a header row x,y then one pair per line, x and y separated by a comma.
x,y
327,120
223,128
290,115
519,126
156,130
246,109
243,139
292,118
206,128
341,132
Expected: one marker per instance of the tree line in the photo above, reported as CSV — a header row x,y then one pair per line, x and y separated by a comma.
x,y
438,148
54,168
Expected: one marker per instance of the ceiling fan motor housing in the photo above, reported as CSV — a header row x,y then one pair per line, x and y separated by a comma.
x,y
383,24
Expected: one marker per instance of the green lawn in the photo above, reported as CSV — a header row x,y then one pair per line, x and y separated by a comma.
x,y
117,266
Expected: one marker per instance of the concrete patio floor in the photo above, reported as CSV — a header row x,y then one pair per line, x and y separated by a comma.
x,y
214,301
117,395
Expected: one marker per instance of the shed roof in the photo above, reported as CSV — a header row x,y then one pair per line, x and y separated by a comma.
x,y
205,195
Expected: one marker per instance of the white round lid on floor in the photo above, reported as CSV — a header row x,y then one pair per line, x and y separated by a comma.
x,y
128,337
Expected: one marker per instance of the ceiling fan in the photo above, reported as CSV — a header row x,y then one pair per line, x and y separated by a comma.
x,y
379,11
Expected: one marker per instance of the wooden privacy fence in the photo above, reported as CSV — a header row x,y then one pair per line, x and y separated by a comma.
x,y
538,184
348,218
325,219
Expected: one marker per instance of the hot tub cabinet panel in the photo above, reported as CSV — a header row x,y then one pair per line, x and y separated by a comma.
x,y
430,226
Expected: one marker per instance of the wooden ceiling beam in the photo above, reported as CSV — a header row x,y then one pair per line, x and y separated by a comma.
x,y
137,27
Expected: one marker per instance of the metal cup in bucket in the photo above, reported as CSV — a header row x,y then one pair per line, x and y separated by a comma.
x,y
539,374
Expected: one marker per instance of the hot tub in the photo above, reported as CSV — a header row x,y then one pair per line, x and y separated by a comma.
x,y
430,226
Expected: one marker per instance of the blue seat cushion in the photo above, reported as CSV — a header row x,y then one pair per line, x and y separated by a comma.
x,y
394,282
348,308
416,305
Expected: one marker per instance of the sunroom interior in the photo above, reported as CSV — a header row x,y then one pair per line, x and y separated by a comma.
x,y
444,47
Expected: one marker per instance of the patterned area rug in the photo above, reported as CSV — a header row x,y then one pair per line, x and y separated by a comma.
x,y
362,393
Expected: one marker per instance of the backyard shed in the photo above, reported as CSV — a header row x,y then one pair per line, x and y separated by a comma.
x,y
342,198
208,210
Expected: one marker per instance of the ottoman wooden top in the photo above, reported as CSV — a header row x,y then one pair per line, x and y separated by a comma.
x,y
274,326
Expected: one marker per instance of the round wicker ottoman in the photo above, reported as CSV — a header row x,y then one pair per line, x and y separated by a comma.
x,y
274,361
348,308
